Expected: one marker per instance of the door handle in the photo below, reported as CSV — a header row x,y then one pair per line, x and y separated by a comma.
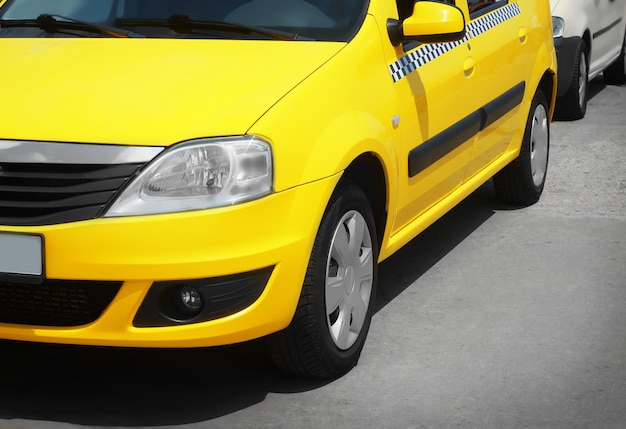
x,y
469,65
523,32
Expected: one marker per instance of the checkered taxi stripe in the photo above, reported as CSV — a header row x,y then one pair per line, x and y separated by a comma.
x,y
426,53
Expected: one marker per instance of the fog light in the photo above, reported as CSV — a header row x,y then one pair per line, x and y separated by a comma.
x,y
189,300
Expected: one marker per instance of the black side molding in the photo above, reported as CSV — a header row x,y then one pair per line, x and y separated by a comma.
x,y
445,142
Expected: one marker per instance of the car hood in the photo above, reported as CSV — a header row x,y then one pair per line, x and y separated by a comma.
x,y
145,91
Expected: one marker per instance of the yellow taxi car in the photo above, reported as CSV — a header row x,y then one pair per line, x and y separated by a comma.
x,y
191,174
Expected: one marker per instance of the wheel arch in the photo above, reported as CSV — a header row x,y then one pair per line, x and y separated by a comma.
x,y
368,173
547,84
545,76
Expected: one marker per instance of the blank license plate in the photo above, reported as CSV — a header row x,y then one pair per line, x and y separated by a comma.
x,y
21,256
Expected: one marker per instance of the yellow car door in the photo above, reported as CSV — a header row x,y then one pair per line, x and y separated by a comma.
x,y
435,86
498,42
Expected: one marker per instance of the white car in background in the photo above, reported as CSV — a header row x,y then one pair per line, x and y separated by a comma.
x,y
590,38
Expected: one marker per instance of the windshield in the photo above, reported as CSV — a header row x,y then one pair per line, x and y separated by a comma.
x,y
336,20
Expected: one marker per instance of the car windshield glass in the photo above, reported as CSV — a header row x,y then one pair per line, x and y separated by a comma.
x,y
333,20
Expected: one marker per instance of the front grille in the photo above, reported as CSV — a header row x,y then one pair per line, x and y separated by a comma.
x,y
45,194
55,302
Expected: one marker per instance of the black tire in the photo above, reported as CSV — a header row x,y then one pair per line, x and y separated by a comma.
x,y
615,74
522,181
312,345
573,104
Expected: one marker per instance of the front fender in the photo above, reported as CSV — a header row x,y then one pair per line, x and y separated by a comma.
x,y
566,51
344,109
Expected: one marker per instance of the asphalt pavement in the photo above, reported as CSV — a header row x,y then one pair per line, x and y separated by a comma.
x,y
495,317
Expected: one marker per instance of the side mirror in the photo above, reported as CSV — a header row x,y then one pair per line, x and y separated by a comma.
x,y
431,22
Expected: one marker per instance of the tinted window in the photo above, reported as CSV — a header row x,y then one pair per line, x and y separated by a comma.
x,y
311,19
479,7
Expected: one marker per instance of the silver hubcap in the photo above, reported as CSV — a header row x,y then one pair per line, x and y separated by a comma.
x,y
349,278
582,80
539,141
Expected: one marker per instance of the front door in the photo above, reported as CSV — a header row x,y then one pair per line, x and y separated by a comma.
x,y
607,27
437,122
503,49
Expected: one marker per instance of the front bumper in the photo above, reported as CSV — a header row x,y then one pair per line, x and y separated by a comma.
x,y
274,234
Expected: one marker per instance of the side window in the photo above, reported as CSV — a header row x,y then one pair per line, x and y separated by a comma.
x,y
405,8
480,7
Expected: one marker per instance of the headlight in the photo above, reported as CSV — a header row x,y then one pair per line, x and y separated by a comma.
x,y
199,174
558,25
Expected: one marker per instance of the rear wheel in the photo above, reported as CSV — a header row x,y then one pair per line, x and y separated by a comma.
x,y
522,181
573,105
328,331
615,74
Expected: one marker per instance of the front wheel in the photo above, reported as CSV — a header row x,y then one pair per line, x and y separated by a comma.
x,y
522,181
573,104
327,333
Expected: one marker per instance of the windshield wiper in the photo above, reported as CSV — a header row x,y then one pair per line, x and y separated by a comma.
x,y
56,23
184,25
